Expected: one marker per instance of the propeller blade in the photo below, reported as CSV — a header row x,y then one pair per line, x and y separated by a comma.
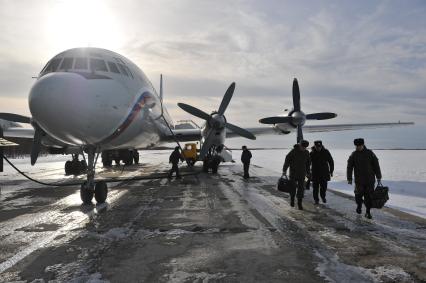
x,y
206,145
321,116
35,148
226,99
296,95
299,133
194,111
15,118
276,120
240,131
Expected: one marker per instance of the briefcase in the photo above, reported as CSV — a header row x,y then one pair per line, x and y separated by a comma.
x,y
286,185
380,196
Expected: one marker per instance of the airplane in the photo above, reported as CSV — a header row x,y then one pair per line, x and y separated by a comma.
x,y
93,101
294,120
97,102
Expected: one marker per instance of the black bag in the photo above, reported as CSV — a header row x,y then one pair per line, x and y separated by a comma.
x,y
308,184
286,185
380,196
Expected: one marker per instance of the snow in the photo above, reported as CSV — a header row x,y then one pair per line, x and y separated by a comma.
x,y
403,172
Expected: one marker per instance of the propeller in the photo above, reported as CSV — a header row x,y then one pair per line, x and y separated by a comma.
x,y
216,121
296,118
15,118
321,116
35,148
38,132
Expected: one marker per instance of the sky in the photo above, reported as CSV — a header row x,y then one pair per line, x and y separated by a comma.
x,y
364,60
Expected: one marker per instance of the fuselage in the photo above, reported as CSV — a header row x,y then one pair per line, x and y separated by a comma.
x,y
96,97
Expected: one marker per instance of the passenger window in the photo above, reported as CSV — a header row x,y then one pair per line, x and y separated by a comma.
x,y
123,69
98,65
113,68
80,63
66,63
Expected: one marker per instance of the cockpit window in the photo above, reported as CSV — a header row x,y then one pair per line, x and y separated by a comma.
x,y
52,65
80,63
113,68
128,71
66,63
98,65
123,69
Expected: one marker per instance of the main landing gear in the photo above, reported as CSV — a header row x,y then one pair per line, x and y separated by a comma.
x,y
89,188
127,156
75,166
212,159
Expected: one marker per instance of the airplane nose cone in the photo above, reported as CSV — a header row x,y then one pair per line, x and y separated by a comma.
x,y
72,108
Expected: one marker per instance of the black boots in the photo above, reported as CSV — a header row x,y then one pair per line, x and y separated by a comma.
x,y
359,209
367,214
299,204
292,202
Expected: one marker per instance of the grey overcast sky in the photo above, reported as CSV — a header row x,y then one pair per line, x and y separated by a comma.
x,y
365,60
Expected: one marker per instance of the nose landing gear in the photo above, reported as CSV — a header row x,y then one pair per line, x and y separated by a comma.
x,y
89,188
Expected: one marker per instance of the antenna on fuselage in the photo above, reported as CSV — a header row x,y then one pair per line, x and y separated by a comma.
x,y
161,87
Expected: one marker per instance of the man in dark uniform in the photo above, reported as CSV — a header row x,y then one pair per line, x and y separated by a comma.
x,y
322,169
299,162
245,159
174,160
367,169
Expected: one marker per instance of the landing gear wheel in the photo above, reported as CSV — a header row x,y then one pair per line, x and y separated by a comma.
x,y
101,191
205,166
191,162
68,168
86,193
83,166
117,161
135,157
214,168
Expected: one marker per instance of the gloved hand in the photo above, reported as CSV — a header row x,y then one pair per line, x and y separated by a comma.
x,y
331,174
350,182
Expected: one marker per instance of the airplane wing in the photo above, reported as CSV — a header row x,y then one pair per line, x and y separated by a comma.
x,y
19,132
346,127
320,128
183,135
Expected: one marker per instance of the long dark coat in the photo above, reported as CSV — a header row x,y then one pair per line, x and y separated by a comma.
x,y
175,157
322,164
366,167
299,162
246,156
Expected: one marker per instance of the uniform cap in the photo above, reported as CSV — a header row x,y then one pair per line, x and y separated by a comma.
x,y
359,141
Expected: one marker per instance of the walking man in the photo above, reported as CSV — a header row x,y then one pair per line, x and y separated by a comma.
x,y
299,162
245,159
322,169
174,160
366,169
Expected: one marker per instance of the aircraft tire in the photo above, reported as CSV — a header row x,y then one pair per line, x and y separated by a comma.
x,y
86,194
83,166
68,168
205,166
101,192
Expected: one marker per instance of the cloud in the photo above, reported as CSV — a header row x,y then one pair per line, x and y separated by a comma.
x,y
364,60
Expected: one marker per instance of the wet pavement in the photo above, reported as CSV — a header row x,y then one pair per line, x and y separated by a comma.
x,y
203,228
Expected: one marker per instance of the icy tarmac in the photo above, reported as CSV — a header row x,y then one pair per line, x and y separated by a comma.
x,y
203,228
